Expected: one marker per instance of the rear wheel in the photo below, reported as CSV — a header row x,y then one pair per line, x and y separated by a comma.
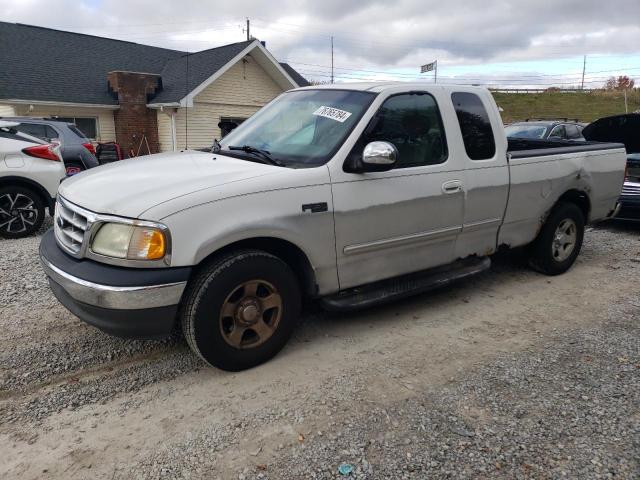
x,y
241,310
559,241
21,212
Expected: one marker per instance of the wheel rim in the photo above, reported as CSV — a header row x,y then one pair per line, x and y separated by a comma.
x,y
18,213
564,240
250,314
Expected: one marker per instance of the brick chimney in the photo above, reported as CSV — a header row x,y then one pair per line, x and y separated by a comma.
x,y
133,119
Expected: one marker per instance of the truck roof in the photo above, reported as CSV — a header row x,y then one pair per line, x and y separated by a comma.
x,y
382,86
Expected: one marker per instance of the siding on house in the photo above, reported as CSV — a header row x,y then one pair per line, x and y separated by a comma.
x,y
239,92
164,131
7,111
106,127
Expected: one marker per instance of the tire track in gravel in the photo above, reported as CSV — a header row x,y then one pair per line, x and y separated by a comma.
x,y
97,385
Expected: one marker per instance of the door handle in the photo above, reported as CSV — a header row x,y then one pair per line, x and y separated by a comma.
x,y
453,186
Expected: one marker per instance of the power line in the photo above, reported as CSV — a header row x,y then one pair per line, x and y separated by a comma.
x,y
449,79
554,79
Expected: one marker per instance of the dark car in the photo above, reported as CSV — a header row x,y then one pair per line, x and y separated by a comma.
x,y
546,130
622,129
78,153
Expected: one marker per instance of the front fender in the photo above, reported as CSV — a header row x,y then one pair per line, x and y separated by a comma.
x,y
202,230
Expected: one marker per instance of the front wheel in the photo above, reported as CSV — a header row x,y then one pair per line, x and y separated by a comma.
x,y
559,241
21,212
241,309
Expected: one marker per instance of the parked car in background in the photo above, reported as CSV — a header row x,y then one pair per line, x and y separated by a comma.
x,y
623,129
30,172
546,130
77,150
350,194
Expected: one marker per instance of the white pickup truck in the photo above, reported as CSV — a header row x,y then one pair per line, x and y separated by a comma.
x,y
349,194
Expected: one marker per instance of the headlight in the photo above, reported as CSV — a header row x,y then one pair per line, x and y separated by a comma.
x,y
130,242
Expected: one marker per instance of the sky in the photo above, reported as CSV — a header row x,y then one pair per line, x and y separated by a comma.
x,y
508,44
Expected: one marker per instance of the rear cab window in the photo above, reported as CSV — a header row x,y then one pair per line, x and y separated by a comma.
x,y
475,126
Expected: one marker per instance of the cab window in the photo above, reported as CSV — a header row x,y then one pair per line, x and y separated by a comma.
x,y
475,126
413,124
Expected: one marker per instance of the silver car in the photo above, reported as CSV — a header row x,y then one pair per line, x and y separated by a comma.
x,y
77,150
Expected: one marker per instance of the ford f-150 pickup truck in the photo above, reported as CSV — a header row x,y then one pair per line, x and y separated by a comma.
x,y
349,194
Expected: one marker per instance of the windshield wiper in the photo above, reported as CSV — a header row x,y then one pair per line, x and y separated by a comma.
x,y
263,154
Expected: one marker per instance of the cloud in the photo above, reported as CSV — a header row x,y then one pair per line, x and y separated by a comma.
x,y
378,35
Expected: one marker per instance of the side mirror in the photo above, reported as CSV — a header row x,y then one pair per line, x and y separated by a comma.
x,y
379,157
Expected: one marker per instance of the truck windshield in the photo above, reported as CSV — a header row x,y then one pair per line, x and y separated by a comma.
x,y
302,128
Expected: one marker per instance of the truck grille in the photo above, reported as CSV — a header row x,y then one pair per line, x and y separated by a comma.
x,y
631,188
70,226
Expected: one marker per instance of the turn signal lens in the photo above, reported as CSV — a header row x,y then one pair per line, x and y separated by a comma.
x,y
146,244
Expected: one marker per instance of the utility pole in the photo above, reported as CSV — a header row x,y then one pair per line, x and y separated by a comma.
x,y
435,72
584,67
248,32
332,59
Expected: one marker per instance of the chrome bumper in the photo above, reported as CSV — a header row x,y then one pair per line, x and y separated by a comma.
x,y
116,298
616,210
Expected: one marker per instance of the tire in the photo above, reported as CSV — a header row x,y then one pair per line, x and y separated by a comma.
x,y
21,212
73,168
553,255
228,318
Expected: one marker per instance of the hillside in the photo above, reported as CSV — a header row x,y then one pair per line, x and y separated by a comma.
x,y
584,106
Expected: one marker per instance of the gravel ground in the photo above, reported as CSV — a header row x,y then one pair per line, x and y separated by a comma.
x,y
510,374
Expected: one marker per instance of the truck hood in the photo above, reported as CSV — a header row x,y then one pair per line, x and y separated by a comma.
x,y
130,187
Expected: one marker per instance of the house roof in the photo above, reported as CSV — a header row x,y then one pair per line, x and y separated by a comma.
x,y
42,64
184,73
299,79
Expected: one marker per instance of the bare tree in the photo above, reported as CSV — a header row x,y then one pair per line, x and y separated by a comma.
x,y
622,82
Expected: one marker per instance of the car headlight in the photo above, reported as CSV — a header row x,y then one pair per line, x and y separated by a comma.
x,y
131,242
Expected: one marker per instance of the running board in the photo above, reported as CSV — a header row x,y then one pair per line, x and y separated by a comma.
x,y
405,286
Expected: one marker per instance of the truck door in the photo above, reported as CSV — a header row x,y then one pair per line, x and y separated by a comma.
x,y
486,173
406,219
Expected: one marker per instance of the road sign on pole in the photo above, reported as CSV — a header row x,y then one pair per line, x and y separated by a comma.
x,y
428,67
431,67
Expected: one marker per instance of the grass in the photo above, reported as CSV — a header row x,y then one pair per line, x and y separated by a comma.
x,y
583,106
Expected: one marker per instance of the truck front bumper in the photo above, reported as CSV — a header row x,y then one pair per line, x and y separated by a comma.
x,y
127,302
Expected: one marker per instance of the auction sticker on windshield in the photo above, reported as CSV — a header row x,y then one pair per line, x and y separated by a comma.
x,y
332,113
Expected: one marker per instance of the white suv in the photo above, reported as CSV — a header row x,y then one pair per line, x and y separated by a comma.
x,y
30,172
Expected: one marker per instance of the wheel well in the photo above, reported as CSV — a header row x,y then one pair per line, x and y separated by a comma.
x,y
30,184
284,250
581,199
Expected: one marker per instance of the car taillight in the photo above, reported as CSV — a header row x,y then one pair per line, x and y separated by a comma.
x,y
42,151
90,147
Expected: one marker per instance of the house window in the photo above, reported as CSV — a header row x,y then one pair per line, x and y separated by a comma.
x,y
227,124
88,126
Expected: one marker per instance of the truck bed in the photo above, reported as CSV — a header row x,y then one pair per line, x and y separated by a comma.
x,y
525,147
